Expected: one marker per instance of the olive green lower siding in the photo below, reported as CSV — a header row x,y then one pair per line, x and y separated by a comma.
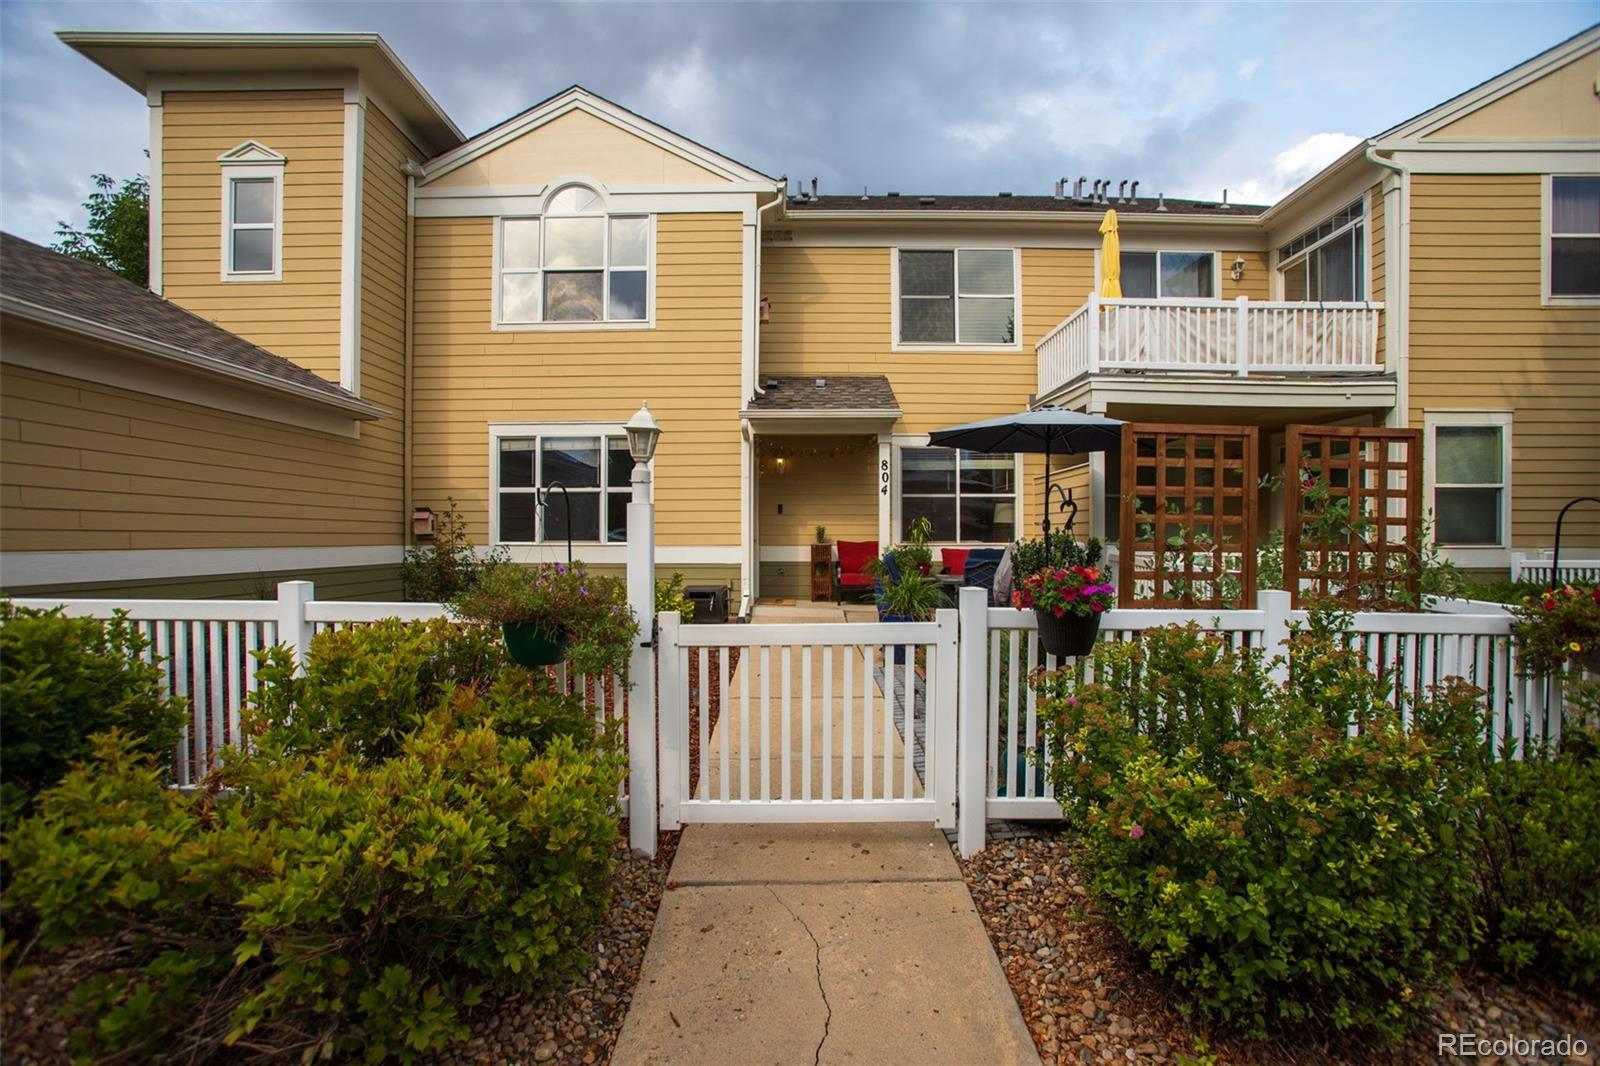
x,y
370,583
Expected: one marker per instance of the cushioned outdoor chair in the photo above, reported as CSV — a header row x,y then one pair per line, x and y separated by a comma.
x,y
981,566
854,555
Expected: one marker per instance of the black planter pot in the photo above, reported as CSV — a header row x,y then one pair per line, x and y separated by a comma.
x,y
533,644
1067,636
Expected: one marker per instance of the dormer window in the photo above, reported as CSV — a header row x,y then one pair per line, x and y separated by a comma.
x,y
252,213
575,263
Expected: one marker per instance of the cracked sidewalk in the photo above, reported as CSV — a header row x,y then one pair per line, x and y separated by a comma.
x,y
819,944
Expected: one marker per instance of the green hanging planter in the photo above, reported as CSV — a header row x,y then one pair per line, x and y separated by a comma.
x,y
534,643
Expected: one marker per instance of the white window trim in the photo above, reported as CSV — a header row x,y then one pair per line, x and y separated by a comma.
x,y
607,211
903,441
1216,271
1546,234
254,171
1278,263
502,430
1470,555
896,345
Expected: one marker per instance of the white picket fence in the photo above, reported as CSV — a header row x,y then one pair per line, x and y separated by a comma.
x,y
206,651
1525,567
931,721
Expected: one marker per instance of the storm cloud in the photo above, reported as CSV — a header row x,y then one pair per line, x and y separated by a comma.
x,y
973,98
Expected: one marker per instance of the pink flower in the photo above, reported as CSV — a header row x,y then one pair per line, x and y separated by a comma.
x,y
1136,831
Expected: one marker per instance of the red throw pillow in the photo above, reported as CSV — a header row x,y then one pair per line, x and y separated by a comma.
x,y
955,559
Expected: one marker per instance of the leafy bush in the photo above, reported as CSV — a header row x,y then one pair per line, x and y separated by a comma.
x,y
436,572
1030,556
63,680
1539,863
330,902
370,685
671,597
1276,867
593,609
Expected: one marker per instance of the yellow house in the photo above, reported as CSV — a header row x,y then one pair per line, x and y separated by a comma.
x,y
500,304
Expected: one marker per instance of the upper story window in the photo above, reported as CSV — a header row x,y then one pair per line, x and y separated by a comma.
x,y
536,463
252,213
1573,268
574,263
1328,262
958,296
1154,275
967,497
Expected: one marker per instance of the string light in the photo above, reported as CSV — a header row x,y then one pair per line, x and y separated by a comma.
x,y
778,457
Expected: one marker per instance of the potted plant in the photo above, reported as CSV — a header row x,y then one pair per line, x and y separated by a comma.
x,y
551,612
905,596
1068,602
1560,626
822,534
914,554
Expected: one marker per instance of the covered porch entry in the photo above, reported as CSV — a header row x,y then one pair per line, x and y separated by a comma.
x,y
823,451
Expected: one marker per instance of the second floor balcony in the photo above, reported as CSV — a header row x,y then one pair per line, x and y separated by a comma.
x,y
1226,339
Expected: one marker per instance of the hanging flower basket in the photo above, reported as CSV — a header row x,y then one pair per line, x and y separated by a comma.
x,y
534,644
1069,635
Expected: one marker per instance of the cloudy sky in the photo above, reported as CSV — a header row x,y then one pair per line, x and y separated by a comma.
x,y
1189,99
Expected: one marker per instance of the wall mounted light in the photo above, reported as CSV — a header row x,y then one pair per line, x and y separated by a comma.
x,y
782,464
1238,269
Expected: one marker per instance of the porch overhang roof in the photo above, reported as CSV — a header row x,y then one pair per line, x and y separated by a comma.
x,y
837,403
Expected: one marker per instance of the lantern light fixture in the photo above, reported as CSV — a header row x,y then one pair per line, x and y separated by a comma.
x,y
643,434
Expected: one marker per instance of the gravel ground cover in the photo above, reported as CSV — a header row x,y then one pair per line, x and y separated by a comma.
x,y
1087,998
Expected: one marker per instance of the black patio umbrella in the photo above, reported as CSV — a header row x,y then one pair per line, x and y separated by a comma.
x,y
1048,430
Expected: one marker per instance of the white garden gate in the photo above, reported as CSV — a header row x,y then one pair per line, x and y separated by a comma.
x,y
808,722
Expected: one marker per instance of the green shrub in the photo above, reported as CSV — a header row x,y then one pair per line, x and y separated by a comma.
x,y
1539,862
370,685
326,904
438,571
671,597
1031,555
63,680
1277,868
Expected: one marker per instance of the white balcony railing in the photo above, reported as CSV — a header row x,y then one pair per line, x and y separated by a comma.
x,y
1234,337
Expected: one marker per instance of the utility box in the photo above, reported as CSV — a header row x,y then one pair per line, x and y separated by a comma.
x,y
710,602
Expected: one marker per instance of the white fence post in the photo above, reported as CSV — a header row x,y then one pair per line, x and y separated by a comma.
x,y
943,717
1094,333
972,723
642,798
1519,563
294,628
1241,336
1274,604
672,686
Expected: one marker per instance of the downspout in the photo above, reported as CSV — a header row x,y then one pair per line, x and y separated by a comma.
x,y
412,171
750,384
1397,280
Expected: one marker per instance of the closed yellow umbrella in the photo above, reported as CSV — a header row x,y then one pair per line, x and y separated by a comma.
x,y
1110,258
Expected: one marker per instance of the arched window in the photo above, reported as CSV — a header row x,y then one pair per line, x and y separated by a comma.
x,y
575,263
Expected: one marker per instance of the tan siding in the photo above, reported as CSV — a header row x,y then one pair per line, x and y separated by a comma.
x,y
1480,338
297,317
466,375
1377,268
1256,283
94,467
1559,106
369,583
836,487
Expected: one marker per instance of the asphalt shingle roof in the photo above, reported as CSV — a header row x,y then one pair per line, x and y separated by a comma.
x,y
71,286
837,392
911,203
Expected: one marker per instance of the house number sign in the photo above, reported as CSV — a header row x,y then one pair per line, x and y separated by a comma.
x,y
883,477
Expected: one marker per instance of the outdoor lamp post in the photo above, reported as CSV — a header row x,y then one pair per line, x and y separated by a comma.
x,y
643,435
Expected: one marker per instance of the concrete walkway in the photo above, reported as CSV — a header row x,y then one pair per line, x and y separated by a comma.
x,y
794,944
814,944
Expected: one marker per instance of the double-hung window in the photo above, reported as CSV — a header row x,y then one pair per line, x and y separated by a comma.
x,y
958,296
967,497
252,213
1329,261
567,482
1153,275
1572,266
574,263
1470,461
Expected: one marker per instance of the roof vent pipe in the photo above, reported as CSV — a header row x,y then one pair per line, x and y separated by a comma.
x,y
813,188
1225,206
1077,190
1094,196
1161,201
1060,184
1122,192
1105,191
1133,193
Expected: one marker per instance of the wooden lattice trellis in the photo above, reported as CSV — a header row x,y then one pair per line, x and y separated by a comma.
x,y
1188,516
1354,526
